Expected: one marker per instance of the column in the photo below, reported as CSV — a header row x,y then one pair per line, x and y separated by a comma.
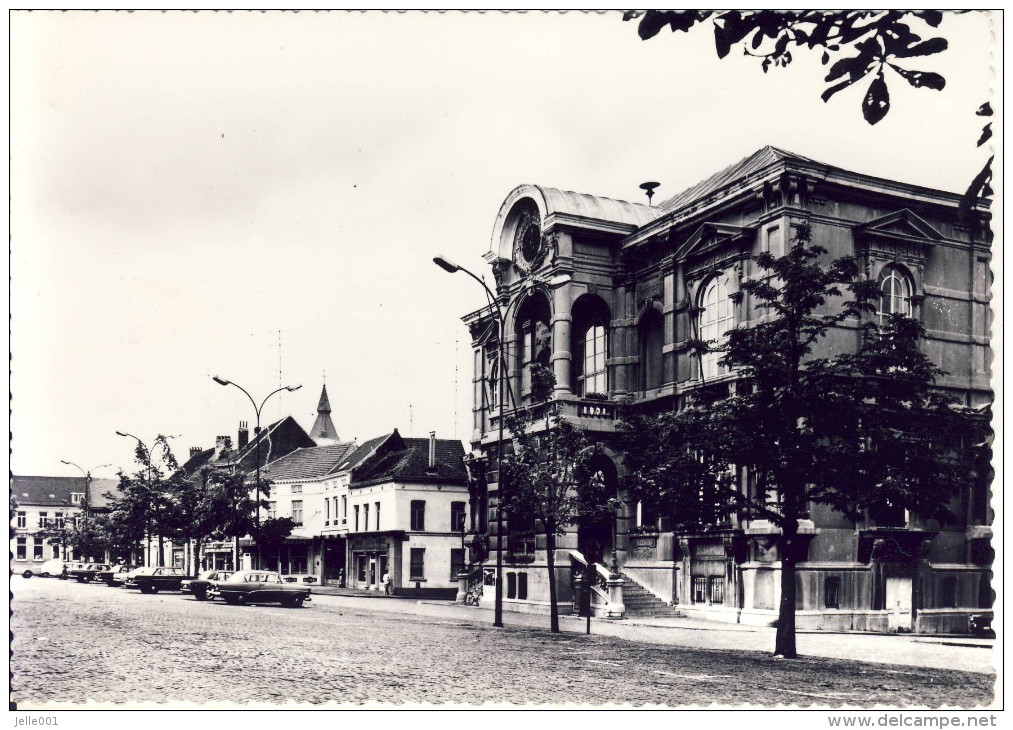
x,y
561,340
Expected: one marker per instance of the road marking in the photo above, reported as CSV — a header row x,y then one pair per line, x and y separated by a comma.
x,y
828,696
694,676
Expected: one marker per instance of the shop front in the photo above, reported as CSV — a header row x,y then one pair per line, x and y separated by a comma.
x,y
371,556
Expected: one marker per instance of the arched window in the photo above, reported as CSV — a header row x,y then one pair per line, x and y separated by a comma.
x,y
491,375
652,343
715,320
590,316
894,294
594,378
535,337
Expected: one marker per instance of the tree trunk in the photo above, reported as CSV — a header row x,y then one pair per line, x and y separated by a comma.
x,y
784,643
196,558
550,560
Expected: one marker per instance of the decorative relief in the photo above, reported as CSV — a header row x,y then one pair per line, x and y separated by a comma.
x,y
530,246
790,189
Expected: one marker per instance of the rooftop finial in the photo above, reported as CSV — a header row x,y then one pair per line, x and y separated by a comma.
x,y
648,187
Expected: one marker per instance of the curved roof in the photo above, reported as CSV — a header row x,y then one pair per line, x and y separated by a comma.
x,y
596,207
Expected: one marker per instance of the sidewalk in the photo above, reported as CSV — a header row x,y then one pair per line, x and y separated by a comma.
x,y
968,654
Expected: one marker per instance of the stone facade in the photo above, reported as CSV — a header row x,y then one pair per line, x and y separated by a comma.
x,y
609,294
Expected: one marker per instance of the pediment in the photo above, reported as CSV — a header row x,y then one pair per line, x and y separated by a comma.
x,y
712,236
903,225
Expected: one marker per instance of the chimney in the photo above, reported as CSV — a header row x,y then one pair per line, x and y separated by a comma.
x,y
244,435
194,450
432,449
222,443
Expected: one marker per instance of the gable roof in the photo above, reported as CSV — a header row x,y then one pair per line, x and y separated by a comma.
x,y
365,451
411,463
56,491
312,463
760,160
277,440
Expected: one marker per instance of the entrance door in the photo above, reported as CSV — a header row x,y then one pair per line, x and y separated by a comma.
x,y
362,571
374,579
898,602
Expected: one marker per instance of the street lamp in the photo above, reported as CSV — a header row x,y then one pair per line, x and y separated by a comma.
x,y
256,431
87,482
163,440
501,313
87,492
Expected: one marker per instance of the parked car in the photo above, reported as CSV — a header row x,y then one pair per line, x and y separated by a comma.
x,y
261,586
74,569
53,568
86,572
108,575
153,580
120,579
200,587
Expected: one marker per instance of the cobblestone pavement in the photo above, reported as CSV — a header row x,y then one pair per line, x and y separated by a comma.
x,y
74,643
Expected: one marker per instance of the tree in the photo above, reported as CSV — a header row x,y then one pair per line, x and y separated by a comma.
x,y
271,534
236,510
195,508
863,44
141,505
89,538
855,431
547,472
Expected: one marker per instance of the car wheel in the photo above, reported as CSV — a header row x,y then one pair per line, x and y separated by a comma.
x,y
294,601
231,600
154,589
146,589
200,595
27,574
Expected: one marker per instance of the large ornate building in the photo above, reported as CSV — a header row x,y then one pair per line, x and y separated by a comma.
x,y
609,294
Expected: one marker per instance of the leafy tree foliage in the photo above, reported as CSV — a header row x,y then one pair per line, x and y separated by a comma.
x,y
862,431
855,45
141,505
548,481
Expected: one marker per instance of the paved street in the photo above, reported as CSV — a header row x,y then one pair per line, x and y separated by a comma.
x,y
77,642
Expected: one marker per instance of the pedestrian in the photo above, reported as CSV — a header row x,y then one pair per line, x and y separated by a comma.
x,y
386,582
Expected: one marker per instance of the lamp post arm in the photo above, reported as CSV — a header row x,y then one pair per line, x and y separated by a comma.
x,y
248,396
263,402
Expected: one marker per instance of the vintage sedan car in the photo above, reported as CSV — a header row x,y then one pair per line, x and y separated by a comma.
x,y
261,586
53,568
120,579
108,576
155,579
201,587
85,572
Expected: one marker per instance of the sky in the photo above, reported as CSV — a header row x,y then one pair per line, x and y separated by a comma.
x,y
260,196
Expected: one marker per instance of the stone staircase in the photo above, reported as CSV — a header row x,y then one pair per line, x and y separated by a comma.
x,y
641,603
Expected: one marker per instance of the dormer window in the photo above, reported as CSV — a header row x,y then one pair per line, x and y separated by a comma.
x,y
77,497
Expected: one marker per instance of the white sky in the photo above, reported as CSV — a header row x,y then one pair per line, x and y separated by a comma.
x,y
185,185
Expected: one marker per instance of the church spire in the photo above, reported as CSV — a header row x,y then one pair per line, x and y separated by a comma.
x,y
323,431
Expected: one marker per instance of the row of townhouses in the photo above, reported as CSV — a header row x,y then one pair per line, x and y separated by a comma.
x,y
391,505
43,508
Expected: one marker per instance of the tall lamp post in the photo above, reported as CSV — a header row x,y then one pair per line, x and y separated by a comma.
x,y
453,268
256,430
163,440
87,490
